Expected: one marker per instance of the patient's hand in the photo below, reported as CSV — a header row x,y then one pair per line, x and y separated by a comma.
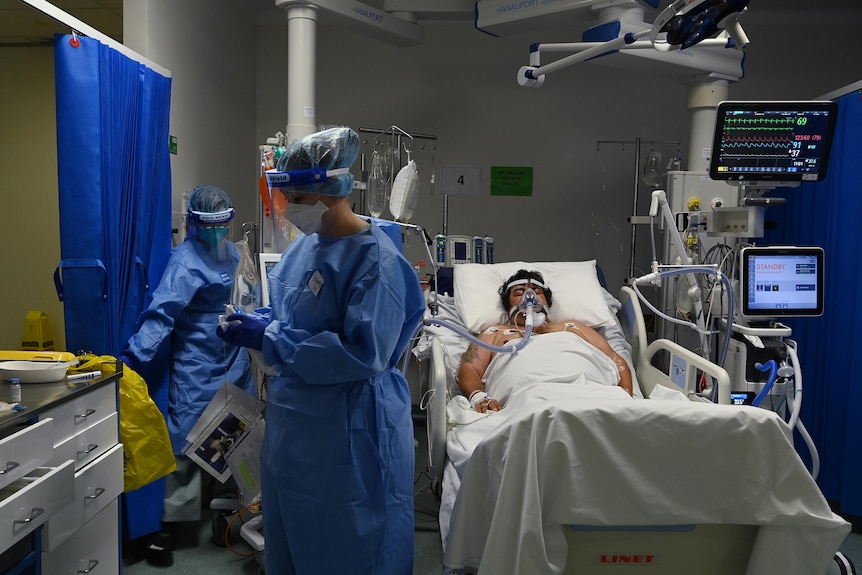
x,y
490,404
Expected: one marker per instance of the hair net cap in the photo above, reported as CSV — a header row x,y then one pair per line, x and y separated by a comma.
x,y
329,150
208,199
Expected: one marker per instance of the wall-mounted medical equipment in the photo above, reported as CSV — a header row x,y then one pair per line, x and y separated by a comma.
x,y
755,147
775,282
489,250
459,250
454,249
766,143
781,281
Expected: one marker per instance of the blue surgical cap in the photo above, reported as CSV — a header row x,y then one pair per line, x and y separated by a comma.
x,y
329,150
208,205
208,199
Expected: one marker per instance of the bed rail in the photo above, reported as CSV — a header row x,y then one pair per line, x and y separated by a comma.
x,y
436,422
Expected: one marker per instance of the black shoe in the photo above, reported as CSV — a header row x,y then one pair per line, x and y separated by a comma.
x,y
158,556
160,550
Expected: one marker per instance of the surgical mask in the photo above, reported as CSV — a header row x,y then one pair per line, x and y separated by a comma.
x,y
307,218
213,236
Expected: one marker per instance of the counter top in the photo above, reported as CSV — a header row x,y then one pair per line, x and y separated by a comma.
x,y
40,397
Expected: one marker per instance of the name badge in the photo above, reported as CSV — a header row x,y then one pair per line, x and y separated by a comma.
x,y
225,277
315,283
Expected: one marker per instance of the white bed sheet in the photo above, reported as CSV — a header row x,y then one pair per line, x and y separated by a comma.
x,y
588,454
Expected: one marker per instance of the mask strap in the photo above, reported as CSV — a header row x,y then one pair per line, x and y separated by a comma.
x,y
514,283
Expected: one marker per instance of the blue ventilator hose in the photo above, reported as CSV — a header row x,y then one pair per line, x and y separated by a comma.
x,y
528,331
469,336
772,368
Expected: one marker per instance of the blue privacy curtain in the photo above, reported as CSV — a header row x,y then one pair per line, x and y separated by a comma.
x,y
826,214
115,210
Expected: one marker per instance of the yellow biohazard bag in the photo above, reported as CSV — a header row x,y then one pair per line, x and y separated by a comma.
x,y
147,452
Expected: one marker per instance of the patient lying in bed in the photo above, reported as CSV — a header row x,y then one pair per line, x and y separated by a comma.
x,y
484,375
571,447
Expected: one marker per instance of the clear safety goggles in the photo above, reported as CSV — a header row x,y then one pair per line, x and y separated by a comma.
x,y
222,217
293,178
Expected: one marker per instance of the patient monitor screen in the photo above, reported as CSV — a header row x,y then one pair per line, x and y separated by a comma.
x,y
781,281
772,141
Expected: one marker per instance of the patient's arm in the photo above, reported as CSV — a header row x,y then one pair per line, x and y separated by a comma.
x,y
595,338
474,363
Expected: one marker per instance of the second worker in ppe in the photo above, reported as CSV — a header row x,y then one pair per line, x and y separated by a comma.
x,y
192,293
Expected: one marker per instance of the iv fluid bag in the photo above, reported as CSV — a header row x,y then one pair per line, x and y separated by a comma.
x,y
405,192
245,291
376,189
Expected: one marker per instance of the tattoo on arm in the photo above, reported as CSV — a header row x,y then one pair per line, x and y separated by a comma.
x,y
471,353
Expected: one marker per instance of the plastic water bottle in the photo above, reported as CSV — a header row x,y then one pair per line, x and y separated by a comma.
x,y
15,386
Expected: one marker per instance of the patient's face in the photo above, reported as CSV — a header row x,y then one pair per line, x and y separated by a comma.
x,y
517,292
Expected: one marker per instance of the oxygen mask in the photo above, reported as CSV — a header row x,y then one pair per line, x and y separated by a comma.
x,y
533,309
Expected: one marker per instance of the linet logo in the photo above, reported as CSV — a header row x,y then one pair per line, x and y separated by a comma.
x,y
626,559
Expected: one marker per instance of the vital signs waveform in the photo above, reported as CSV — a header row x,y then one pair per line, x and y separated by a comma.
x,y
746,145
792,121
785,128
731,138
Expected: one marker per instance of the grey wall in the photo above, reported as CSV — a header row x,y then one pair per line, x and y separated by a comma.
x,y
460,86
209,47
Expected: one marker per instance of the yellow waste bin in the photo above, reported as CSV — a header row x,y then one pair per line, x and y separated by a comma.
x,y
37,332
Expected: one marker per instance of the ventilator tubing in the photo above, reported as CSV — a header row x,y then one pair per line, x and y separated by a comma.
x,y
495,348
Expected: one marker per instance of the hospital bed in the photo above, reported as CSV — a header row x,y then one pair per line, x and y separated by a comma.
x,y
580,478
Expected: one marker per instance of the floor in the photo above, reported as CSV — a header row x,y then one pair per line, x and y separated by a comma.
x,y
198,555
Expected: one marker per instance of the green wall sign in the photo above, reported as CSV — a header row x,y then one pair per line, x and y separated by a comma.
x,y
511,181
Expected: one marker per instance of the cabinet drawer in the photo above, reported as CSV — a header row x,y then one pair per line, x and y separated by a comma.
x,y
24,451
29,502
88,444
95,487
81,412
94,549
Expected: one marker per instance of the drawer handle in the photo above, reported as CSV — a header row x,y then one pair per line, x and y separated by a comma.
x,y
9,467
98,491
34,513
90,448
90,567
87,413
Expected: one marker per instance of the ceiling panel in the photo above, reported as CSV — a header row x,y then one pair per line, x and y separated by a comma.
x,y
23,25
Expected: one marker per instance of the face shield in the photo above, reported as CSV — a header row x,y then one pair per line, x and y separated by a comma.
x,y
316,164
210,227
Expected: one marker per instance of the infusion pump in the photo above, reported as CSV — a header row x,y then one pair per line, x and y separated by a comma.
x,y
453,250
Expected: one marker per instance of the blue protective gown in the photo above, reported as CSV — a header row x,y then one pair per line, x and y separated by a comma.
x,y
337,462
192,293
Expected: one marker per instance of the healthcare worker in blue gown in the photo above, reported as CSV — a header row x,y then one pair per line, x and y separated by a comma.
x,y
184,311
337,464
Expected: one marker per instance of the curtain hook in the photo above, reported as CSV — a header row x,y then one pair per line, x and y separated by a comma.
x,y
74,42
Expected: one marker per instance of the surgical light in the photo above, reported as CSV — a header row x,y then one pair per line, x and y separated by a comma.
x,y
683,24
687,23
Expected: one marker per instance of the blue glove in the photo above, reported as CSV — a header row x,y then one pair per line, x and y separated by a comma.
x,y
243,330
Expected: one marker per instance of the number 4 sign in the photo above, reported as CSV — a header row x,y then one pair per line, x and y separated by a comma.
x,y
462,181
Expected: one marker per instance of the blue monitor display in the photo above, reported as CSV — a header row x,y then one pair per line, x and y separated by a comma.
x,y
772,141
781,281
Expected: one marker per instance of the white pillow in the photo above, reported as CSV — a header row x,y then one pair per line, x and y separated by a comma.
x,y
576,292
